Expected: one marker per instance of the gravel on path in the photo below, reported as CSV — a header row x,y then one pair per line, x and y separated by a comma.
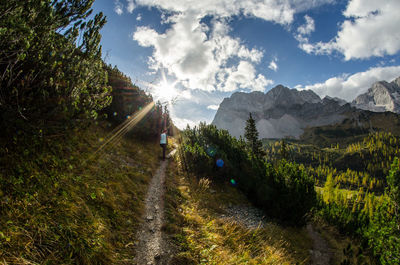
x,y
246,215
152,248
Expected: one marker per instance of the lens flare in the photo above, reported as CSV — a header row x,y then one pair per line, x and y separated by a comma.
x,y
233,182
125,127
211,151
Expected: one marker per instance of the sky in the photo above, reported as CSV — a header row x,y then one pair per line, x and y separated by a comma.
x,y
191,54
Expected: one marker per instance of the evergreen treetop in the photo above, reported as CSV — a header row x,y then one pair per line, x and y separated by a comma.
x,y
251,135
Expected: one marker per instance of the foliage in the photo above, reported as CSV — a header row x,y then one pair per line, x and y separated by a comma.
x,y
363,163
251,136
204,233
383,234
394,182
359,188
295,192
127,99
60,204
51,72
285,192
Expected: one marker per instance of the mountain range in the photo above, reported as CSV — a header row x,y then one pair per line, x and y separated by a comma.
x,y
286,113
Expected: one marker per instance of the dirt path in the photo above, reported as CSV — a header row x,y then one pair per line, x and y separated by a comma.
x,y
321,253
152,249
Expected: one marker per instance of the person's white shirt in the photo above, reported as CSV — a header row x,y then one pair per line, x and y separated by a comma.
x,y
163,139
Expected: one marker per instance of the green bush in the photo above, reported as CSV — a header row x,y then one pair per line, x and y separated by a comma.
x,y
285,192
51,71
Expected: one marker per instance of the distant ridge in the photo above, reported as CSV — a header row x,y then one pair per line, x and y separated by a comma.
x,y
282,112
286,113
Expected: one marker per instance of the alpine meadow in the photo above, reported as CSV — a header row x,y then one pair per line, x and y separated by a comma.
x,y
185,132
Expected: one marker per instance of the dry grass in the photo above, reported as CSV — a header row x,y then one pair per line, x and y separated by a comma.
x,y
58,207
194,211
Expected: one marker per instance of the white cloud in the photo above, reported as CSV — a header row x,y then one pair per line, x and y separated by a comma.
x,y
207,58
131,6
348,87
244,77
213,107
308,27
303,33
139,17
119,7
273,65
371,29
182,123
279,11
199,61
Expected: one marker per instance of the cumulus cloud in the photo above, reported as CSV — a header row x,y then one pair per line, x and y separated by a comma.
x,y
131,6
273,65
119,7
198,60
204,56
308,27
303,32
244,77
371,29
279,11
348,87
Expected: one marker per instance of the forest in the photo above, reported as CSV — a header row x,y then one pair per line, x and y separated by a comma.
x,y
358,187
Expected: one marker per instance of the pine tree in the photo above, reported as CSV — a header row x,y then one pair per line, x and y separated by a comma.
x,y
251,135
284,151
50,63
394,184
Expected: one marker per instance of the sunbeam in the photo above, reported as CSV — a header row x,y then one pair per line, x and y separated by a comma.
x,y
125,127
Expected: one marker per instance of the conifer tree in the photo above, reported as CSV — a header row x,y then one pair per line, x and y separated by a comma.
x,y
50,62
251,135
284,151
394,183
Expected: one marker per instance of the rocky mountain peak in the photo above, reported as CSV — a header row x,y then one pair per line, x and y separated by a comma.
x,y
281,112
396,82
340,101
282,95
278,90
382,96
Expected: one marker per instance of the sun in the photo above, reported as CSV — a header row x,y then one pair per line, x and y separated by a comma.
x,y
165,91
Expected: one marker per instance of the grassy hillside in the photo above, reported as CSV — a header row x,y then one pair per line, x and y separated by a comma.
x,y
195,214
62,205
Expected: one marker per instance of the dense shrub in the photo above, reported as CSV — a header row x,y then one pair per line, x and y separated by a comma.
x,y
285,192
51,71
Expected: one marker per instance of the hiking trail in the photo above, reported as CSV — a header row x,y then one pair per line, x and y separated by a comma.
x,y
152,247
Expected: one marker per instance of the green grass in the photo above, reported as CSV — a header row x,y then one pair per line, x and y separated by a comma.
x,y
201,236
61,205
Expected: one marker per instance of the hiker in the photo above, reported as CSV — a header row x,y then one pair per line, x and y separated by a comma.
x,y
163,142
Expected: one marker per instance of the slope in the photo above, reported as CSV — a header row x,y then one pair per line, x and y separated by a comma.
x,y
61,205
214,223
